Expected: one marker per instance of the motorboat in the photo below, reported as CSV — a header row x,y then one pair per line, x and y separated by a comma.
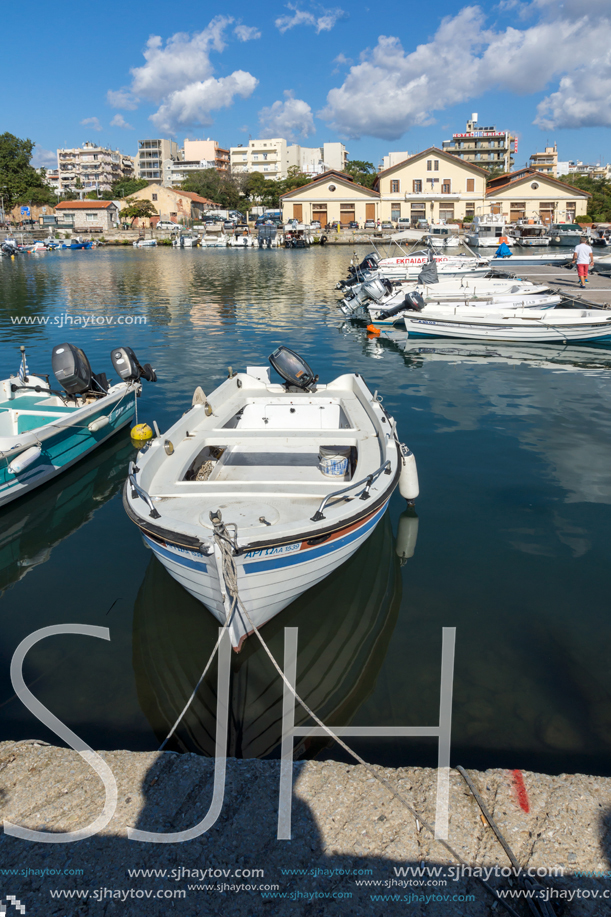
x,y
145,243
441,236
267,235
282,481
10,247
345,627
77,243
241,237
529,233
213,240
297,235
408,266
567,234
487,231
434,303
44,431
599,236
560,325
186,240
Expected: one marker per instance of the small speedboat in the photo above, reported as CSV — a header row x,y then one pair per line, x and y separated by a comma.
x,y
78,243
145,243
288,478
560,325
44,431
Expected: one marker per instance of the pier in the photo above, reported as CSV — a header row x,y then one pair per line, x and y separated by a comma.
x,y
351,841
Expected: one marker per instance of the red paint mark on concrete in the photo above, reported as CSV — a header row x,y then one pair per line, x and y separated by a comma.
x,y
518,783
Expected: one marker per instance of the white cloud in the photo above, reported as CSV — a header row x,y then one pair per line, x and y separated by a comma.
x,y
182,61
119,121
193,104
291,119
93,123
121,98
390,90
246,32
45,159
322,19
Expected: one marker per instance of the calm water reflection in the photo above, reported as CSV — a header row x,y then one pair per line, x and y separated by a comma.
x,y
513,452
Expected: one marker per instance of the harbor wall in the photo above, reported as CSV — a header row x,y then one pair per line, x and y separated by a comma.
x,y
351,842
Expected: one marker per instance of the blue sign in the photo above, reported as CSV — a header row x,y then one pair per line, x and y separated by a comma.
x,y
25,211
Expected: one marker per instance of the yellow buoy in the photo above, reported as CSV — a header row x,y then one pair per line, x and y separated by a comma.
x,y
141,432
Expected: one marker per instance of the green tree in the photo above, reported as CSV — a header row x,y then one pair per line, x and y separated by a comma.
x,y
220,187
126,186
20,182
599,205
363,173
137,209
262,191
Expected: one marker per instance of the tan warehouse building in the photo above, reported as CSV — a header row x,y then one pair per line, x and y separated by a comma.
x,y
528,194
431,185
332,197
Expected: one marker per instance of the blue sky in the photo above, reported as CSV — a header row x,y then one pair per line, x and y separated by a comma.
x,y
398,76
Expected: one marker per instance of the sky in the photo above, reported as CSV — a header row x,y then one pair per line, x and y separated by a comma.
x,y
402,75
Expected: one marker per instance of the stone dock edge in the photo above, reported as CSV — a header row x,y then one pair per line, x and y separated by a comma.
x,y
346,829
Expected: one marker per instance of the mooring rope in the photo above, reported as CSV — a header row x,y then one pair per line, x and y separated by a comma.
x,y
226,546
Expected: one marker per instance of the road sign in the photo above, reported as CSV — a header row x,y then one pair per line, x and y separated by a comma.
x,y
25,211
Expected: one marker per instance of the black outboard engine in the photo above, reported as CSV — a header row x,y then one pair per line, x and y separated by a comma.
x,y
414,301
71,368
127,366
293,369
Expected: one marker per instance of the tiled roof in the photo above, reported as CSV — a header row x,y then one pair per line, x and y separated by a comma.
x,y
433,150
525,175
84,205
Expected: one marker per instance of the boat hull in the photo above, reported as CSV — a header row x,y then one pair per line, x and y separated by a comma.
x,y
268,579
64,445
529,332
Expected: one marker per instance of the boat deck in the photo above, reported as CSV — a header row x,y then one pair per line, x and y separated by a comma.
x,y
28,412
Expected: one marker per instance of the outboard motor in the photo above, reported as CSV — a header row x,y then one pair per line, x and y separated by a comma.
x,y
375,289
293,369
414,301
129,369
71,368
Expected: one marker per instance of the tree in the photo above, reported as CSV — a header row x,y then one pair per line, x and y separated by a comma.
x,y
137,209
220,187
20,182
599,205
363,173
126,186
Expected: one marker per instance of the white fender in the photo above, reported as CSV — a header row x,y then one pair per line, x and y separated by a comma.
x,y
407,535
24,459
98,423
408,479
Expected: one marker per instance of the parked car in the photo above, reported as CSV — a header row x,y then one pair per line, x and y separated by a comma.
x,y
28,223
404,223
168,224
370,224
230,224
315,224
353,224
387,225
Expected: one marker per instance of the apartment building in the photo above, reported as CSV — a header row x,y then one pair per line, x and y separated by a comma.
x,y
392,159
485,147
92,168
547,162
175,172
274,157
207,151
151,156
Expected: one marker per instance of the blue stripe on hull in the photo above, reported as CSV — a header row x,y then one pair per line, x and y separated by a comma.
x,y
302,557
175,557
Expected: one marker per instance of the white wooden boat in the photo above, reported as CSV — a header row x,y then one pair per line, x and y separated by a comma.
x,y
407,266
560,325
485,305
145,243
44,431
300,473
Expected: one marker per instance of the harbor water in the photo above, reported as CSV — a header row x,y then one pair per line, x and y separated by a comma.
x,y
509,535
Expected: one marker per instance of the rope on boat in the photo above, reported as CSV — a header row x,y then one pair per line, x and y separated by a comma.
x,y
226,545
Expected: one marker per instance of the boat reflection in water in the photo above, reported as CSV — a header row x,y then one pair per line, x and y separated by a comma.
x,y
345,625
578,357
31,528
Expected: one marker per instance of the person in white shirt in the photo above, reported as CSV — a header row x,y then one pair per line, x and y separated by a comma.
x,y
584,257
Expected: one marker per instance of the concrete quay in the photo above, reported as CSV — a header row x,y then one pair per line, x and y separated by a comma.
x,y
346,830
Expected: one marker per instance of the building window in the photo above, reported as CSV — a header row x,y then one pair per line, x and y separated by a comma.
x,y
429,165
417,186
436,165
395,212
154,196
446,186
470,210
395,186
470,184
446,212
431,182
91,217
